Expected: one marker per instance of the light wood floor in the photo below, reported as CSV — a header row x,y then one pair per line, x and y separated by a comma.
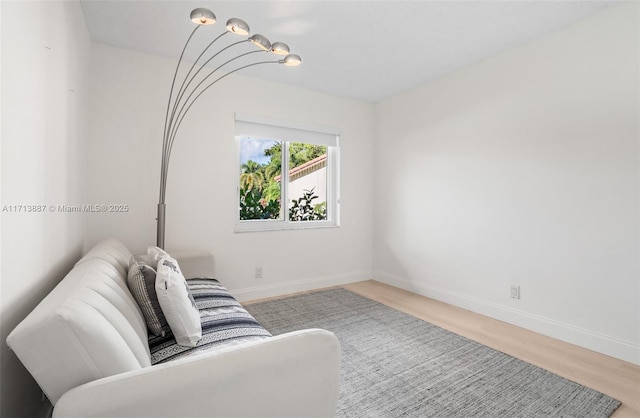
x,y
608,375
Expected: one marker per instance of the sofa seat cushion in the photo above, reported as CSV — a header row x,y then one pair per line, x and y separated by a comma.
x,y
224,322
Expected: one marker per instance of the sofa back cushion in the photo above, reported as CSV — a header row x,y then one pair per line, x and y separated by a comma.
x,y
112,251
87,328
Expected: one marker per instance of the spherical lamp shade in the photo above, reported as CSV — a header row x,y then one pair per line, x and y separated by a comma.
x,y
260,41
203,16
237,26
292,60
280,48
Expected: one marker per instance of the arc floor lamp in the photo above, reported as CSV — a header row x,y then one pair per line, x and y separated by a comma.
x,y
194,84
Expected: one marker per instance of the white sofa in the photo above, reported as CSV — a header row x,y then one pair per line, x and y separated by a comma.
x,y
86,346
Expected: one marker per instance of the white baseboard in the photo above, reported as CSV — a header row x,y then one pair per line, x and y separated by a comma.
x,y
600,343
278,289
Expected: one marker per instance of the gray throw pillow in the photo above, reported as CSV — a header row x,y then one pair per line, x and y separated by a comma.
x,y
141,280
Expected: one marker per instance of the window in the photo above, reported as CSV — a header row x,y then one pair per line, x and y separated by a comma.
x,y
288,175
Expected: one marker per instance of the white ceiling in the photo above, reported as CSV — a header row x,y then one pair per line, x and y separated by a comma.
x,y
365,50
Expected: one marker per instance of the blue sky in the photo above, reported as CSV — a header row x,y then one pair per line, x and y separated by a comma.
x,y
253,149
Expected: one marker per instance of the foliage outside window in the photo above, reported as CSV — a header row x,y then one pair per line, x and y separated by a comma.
x,y
285,184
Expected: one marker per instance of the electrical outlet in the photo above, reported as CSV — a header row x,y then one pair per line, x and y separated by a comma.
x,y
515,292
258,272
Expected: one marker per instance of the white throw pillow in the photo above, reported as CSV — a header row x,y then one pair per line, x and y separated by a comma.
x,y
177,303
156,253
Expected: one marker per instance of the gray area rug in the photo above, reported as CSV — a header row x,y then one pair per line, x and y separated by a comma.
x,y
395,365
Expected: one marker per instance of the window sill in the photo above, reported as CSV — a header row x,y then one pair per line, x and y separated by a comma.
x,y
273,225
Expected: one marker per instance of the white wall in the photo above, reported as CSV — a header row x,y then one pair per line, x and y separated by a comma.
x,y
44,114
128,101
522,169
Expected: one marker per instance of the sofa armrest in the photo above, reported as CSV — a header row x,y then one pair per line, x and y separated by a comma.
x,y
291,375
195,264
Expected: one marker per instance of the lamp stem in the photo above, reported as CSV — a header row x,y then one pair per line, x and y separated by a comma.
x,y
161,224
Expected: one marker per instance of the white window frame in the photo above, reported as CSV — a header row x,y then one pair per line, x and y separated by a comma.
x,y
287,132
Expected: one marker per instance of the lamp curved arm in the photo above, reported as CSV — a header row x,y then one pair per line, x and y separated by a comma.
x,y
182,111
186,77
173,82
181,101
167,154
183,88
183,91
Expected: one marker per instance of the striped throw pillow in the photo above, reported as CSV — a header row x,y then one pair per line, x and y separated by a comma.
x,y
141,280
